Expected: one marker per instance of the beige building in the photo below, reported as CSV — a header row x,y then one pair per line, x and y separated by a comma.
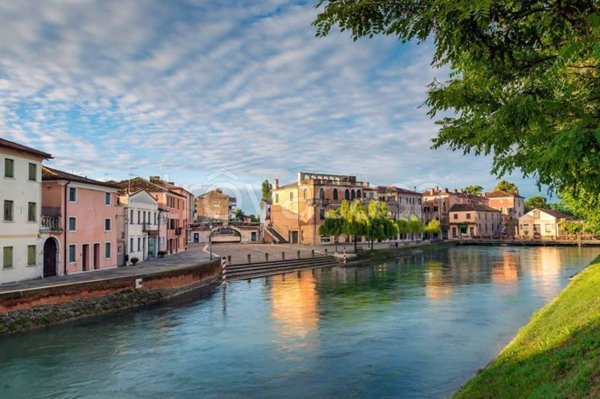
x,y
403,204
215,206
474,220
298,208
542,223
437,203
512,207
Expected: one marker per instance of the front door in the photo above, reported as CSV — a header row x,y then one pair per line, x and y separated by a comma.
x,y
96,256
196,237
85,252
294,237
50,257
151,247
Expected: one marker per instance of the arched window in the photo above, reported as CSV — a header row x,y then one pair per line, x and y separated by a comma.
x,y
335,194
347,194
321,193
358,194
353,194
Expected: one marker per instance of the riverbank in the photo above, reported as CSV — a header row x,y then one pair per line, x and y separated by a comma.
x,y
556,355
378,255
40,303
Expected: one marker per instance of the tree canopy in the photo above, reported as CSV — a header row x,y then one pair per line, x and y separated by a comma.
x,y
523,83
536,201
474,189
267,189
507,187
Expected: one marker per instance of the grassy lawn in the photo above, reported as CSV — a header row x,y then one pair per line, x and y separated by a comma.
x,y
556,355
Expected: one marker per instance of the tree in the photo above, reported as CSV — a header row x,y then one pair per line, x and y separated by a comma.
x,y
584,206
379,225
333,225
536,201
507,187
433,227
474,190
267,190
354,218
239,214
523,84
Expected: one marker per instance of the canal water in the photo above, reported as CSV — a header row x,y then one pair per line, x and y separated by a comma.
x,y
419,326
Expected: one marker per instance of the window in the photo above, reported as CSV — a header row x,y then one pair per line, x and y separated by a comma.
x,y
358,194
154,217
468,216
107,250
31,255
72,253
31,212
32,172
131,245
548,228
72,224
139,244
72,194
144,213
8,210
106,224
131,216
291,195
353,194
456,216
107,198
321,193
139,217
335,194
9,167
347,194
305,193
321,214
7,256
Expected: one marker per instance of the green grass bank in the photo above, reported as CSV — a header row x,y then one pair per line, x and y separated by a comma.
x,y
556,355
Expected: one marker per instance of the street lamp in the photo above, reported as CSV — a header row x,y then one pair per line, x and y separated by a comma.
x,y
210,240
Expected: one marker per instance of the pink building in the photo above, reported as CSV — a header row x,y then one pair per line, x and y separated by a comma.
x,y
84,236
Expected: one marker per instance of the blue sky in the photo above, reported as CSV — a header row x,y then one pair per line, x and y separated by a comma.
x,y
224,93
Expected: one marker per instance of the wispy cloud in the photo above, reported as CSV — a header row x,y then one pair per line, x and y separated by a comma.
x,y
209,86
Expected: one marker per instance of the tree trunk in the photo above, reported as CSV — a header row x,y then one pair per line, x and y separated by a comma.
x,y
355,244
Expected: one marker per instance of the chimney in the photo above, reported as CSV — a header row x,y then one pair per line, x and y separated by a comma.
x,y
299,177
155,179
276,184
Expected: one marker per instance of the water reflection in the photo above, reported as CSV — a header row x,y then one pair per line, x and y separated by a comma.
x,y
418,326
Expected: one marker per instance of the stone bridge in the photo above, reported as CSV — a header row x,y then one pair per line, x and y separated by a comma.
x,y
225,232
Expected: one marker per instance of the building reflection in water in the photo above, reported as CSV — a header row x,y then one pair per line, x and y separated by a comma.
x,y
505,273
294,309
437,286
545,270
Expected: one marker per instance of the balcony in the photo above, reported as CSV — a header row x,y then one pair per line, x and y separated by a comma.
x,y
149,227
50,219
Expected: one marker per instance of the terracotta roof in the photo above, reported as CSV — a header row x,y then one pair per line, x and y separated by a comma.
x,y
501,194
556,214
18,147
397,190
49,174
139,183
472,207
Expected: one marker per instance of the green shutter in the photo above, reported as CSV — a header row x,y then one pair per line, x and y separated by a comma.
x,y
31,261
9,168
7,257
32,172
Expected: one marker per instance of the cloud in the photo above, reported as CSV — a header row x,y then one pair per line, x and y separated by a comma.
x,y
203,87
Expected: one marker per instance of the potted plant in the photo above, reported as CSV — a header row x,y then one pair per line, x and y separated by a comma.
x,y
134,261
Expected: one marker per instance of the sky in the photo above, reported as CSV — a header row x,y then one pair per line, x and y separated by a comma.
x,y
220,94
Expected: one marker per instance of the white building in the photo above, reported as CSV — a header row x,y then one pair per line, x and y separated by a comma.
x,y
542,223
142,223
21,198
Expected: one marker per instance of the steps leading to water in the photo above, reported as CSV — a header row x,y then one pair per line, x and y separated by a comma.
x,y
263,269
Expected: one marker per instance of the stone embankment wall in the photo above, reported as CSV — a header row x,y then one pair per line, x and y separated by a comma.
x,y
39,307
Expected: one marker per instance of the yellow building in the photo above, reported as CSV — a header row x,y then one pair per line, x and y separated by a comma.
x,y
473,220
298,209
215,206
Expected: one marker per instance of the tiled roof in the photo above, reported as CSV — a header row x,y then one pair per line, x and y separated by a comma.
x,y
49,174
139,183
19,147
556,214
472,207
501,194
398,190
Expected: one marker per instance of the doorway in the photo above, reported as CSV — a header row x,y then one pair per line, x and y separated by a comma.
x,y
50,251
293,237
85,252
96,256
196,237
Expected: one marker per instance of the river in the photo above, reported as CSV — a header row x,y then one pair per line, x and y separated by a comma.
x,y
419,326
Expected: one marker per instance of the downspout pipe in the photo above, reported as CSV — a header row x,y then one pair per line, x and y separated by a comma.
x,y
65,220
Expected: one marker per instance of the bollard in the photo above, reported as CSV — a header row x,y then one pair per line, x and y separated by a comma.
x,y
229,259
325,251
266,256
298,254
224,269
282,255
249,257
312,253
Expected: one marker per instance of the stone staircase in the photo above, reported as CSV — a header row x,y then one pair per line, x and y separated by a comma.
x,y
279,239
264,269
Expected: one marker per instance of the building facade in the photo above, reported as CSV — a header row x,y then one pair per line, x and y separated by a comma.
x,y
21,249
474,220
437,203
402,203
298,209
88,232
542,224
512,207
141,225
215,206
